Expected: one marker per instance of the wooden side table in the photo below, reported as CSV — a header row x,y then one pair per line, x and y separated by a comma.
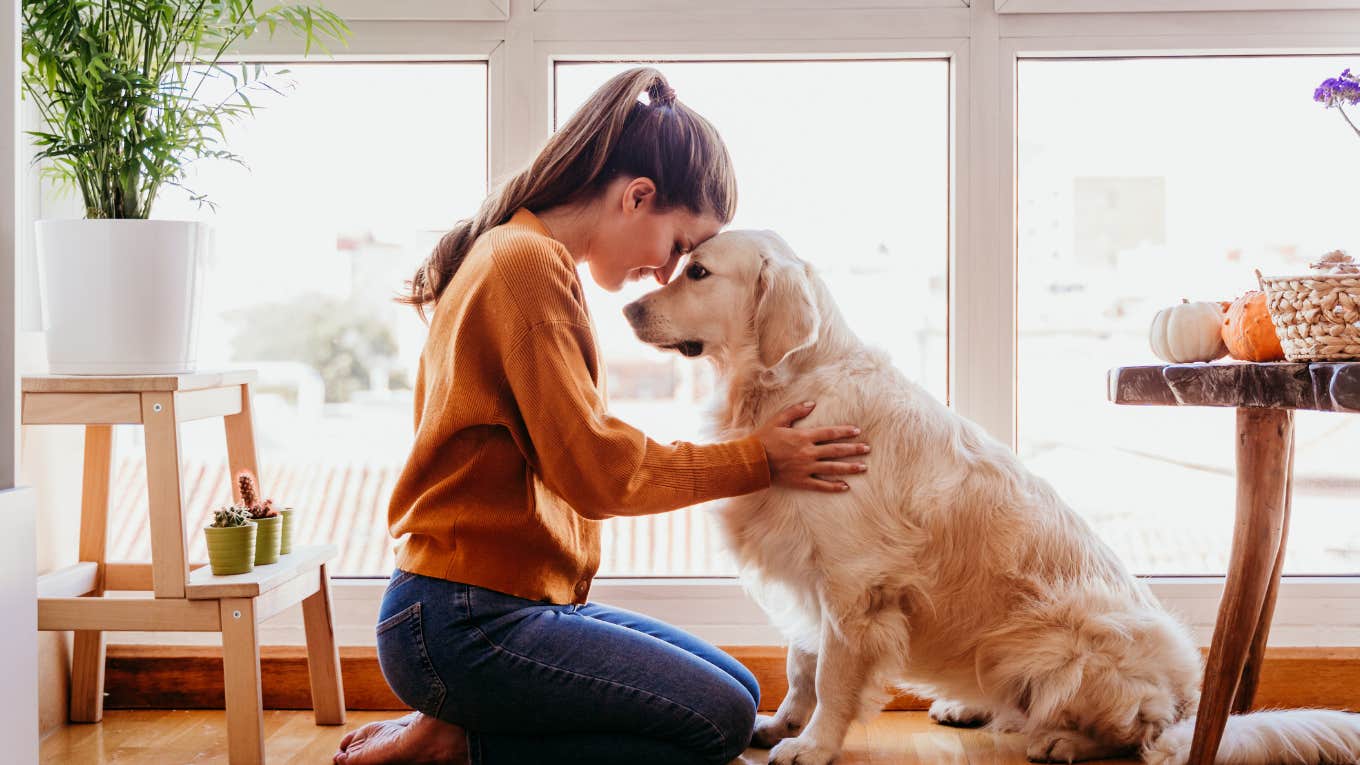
x,y
176,595
1265,396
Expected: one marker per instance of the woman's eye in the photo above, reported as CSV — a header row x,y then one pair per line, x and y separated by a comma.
x,y
696,271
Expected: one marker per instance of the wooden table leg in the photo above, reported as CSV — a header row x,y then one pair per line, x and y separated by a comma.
x,y
1264,437
241,677
165,496
87,651
1251,673
323,657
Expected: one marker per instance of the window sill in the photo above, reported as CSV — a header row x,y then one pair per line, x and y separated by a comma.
x,y
1312,611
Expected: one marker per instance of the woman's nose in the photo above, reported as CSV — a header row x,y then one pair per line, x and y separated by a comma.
x,y
663,274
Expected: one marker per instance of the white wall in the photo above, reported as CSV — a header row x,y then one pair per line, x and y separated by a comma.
x,y
18,588
19,639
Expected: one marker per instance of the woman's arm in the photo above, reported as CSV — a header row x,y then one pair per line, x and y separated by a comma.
x,y
596,462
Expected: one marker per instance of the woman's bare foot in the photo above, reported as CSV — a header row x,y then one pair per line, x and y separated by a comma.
x,y
415,739
407,720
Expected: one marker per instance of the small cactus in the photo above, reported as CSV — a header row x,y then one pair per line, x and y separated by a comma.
x,y
246,482
250,497
230,516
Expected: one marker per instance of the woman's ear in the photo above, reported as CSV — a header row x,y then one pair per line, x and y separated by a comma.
x,y
639,194
787,318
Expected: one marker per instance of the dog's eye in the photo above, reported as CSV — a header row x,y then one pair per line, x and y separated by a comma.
x,y
696,271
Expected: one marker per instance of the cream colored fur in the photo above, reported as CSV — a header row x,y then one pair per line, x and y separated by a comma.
x,y
949,569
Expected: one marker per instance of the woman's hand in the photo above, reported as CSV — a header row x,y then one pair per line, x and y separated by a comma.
x,y
803,458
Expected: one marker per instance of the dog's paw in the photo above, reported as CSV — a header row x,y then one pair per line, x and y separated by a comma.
x,y
771,730
800,751
956,715
1053,747
1066,746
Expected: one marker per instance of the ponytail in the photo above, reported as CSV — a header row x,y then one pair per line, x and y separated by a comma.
x,y
611,135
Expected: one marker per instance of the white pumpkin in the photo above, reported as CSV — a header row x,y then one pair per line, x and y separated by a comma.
x,y
1188,332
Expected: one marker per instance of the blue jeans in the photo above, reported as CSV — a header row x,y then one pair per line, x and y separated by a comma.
x,y
538,683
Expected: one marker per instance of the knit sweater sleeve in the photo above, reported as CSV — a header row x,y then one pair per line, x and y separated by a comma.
x,y
599,464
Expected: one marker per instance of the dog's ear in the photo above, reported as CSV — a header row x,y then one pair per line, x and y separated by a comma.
x,y
787,319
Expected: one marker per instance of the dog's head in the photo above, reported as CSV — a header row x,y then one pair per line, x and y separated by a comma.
x,y
740,291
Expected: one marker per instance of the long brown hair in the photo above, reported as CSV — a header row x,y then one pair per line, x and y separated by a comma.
x,y
614,134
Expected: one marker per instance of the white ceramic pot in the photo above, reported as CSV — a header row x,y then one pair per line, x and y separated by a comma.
x,y
121,297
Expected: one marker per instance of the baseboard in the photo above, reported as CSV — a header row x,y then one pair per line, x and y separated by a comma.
x,y
190,677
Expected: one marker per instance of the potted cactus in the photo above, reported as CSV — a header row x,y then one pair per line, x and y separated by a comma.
x,y
268,509
286,530
231,541
268,540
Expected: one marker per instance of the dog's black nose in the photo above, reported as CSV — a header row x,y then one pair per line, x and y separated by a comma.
x,y
634,311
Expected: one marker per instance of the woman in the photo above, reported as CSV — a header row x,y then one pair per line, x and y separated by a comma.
x,y
485,629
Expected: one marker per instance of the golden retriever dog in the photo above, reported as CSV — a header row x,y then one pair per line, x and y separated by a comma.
x,y
949,569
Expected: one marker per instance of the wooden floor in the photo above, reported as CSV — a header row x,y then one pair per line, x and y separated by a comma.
x,y
178,737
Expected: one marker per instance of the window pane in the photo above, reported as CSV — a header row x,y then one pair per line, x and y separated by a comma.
x,y
848,161
1143,182
352,178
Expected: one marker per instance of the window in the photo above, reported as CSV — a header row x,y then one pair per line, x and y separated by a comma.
x,y
849,162
820,101
344,197
1142,182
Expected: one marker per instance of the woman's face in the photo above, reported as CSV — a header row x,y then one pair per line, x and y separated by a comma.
x,y
634,240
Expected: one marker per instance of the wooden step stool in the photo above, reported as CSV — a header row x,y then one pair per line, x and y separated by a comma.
x,y
177,599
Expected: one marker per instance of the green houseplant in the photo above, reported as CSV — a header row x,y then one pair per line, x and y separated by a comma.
x,y
118,84
231,541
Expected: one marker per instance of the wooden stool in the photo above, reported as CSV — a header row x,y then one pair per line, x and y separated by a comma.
x,y
1266,397
178,600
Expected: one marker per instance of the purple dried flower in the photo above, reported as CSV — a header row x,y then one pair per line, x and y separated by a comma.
x,y
1339,92
1335,91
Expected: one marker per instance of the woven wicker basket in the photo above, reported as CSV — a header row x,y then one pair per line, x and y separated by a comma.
x,y
1316,316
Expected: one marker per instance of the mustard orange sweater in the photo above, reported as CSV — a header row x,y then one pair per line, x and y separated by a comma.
x,y
516,461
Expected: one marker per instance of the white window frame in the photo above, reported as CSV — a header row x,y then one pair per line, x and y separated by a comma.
x,y
1166,6
984,40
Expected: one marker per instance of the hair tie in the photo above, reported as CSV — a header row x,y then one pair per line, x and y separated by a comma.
x,y
661,95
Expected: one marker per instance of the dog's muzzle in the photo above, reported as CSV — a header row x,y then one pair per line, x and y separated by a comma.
x,y
634,312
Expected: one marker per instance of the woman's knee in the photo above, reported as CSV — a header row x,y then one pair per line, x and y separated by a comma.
x,y
749,682
733,714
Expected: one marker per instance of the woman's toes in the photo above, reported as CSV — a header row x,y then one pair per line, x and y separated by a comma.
x,y
411,739
358,734
367,742
353,738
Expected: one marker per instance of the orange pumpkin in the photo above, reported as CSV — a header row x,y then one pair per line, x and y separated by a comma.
x,y
1248,331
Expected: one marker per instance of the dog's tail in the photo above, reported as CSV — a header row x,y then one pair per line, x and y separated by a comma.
x,y
1285,737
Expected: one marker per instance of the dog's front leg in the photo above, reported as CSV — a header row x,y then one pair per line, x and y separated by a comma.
x,y
843,670
794,711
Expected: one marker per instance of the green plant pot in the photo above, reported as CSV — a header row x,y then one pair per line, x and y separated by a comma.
x,y
232,550
286,536
267,541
